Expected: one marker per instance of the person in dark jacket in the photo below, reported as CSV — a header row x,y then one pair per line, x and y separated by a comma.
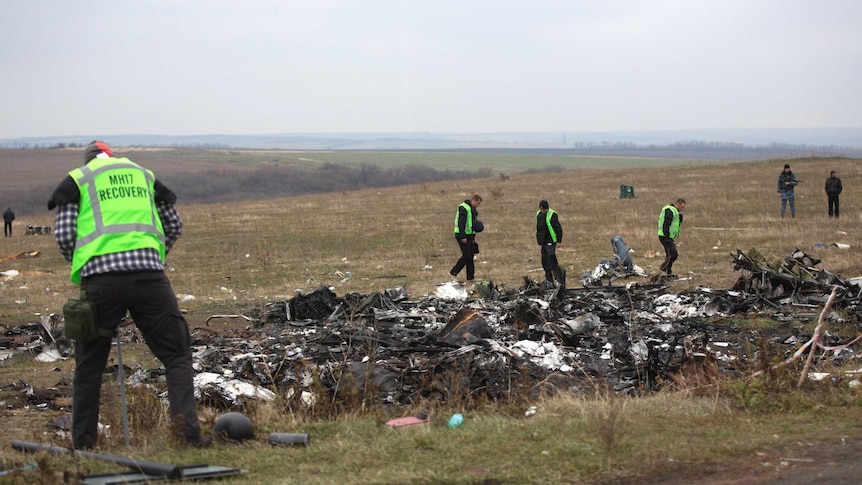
x,y
669,222
549,235
466,227
833,189
8,217
786,183
115,224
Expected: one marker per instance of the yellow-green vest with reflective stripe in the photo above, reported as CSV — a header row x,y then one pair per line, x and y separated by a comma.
x,y
117,211
674,224
548,216
468,228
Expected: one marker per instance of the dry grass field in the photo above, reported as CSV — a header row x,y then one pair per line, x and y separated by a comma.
x,y
364,241
233,257
388,237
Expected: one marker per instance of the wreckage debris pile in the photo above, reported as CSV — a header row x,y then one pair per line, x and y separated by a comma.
x,y
794,279
522,341
629,337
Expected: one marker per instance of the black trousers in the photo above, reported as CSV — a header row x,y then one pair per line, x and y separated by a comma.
x,y
670,254
150,300
833,204
7,228
466,259
550,263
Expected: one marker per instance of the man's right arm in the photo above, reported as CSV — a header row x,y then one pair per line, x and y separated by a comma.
x,y
65,193
66,230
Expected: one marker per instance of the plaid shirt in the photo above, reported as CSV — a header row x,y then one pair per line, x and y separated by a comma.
x,y
66,233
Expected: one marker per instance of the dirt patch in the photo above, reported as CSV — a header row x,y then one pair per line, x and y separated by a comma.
x,y
835,463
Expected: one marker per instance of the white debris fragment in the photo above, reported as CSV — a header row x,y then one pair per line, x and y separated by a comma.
x,y
640,351
452,290
583,323
308,399
544,305
50,355
232,390
546,354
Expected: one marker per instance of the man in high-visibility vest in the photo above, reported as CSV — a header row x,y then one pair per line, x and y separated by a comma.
x,y
466,227
115,223
549,235
669,222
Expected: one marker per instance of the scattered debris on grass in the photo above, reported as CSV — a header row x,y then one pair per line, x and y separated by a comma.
x,y
503,343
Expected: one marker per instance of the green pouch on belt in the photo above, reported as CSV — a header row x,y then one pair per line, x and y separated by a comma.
x,y
81,319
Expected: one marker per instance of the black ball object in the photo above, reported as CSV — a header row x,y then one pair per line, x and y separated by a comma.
x,y
234,427
478,226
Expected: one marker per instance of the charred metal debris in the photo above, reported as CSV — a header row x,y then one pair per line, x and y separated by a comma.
x,y
513,343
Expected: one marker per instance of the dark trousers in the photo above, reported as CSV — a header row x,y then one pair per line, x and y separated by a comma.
x,y
670,254
466,259
7,228
833,204
149,298
549,262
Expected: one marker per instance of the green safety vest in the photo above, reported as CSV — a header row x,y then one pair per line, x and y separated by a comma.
x,y
468,228
548,216
117,211
674,224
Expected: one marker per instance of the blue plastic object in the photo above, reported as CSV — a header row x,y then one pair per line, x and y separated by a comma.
x,y
455,421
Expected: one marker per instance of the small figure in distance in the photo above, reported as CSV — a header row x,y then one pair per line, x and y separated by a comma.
x,y
549,235
669,222
466,225
8,217
833,190
786,183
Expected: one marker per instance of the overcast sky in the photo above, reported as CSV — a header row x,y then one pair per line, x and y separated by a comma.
x,y
176,67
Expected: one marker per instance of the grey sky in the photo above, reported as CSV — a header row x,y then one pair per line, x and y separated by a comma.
x,y
178,67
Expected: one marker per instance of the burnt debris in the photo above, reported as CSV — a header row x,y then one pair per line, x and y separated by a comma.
x,y
510,344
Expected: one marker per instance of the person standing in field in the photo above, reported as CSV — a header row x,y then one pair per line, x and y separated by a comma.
x,y
786,183
466,227
669,222
115,224
8,217
833,190
549,235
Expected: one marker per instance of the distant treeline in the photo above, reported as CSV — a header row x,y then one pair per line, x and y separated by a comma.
x,y
696,149
62,145
718,150
228,185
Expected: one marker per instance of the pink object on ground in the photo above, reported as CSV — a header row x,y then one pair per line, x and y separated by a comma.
x,y
408,421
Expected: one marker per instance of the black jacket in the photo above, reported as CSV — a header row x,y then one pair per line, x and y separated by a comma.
x,y
543,236
833,185
462,220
